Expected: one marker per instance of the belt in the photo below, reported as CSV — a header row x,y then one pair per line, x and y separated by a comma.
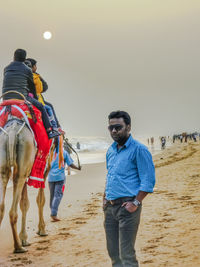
x,y
119,201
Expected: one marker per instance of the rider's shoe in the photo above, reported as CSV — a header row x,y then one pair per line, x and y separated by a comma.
x,y
53,134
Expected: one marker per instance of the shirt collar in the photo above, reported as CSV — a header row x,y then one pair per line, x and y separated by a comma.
x,y
128,142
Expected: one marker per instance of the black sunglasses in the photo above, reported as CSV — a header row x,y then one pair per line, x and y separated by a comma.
x,y
117,127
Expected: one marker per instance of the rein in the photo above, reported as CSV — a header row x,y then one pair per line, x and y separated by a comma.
x,y
69,145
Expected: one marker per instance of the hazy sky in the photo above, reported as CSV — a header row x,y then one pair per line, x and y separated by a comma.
x,y
141,56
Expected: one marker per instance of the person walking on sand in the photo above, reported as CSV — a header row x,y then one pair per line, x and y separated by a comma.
x,y
130,177
56,179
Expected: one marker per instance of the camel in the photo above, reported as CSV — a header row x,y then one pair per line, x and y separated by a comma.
x,y
17,154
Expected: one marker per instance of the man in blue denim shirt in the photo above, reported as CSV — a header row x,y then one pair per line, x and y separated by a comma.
x,y
56,179
130,177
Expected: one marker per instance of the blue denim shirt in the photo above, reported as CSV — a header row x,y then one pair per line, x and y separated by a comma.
x,y
130,170
55,173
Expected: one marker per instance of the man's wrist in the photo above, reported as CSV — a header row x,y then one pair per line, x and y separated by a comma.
x,y
136,202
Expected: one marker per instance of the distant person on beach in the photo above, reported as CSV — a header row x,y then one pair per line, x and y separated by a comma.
x,y
152,141
163,142
130,177
194,137
78,146
56,179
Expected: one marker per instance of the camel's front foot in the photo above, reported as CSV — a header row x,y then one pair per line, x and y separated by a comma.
x,y
20,250
42,233
25,243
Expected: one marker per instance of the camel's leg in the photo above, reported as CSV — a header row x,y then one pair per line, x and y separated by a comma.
x,y
24,206
3,184
40,203
41,198
17,190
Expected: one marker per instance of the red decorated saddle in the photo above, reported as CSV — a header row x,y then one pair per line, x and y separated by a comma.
x,y
19,109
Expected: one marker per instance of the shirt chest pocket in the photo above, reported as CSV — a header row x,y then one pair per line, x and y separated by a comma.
x,y
124,166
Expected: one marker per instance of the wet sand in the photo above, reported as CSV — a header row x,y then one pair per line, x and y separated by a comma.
x,y
169,231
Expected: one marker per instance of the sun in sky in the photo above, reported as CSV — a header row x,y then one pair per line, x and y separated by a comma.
x,y
47,35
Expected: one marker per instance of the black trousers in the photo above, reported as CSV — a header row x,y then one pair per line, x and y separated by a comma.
x,y
121,229
42,109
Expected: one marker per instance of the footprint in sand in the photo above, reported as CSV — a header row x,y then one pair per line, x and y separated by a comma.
x,y
161,226
149,247
196,209
196,202
147,261
24,260
92,206
167,220
157,239
18,259
194,176
42,248
65,229
184,198
79,220
160,191
43,241
163,219
165,214
65,234
85,252
92,213
171,195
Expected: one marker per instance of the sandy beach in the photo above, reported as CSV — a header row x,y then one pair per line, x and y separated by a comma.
x,y
169,230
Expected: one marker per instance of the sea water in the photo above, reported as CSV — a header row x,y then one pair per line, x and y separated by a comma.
x,y
93,149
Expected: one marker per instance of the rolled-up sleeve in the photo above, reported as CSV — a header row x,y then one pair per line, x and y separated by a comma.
x,y
67,158
146,170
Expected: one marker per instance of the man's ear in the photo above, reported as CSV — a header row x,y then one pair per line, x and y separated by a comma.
x,y
129,127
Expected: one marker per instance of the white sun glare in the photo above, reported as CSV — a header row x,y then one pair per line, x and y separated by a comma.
x,y
47,35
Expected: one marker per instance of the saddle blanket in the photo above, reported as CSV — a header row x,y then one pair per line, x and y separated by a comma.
x,y
19,109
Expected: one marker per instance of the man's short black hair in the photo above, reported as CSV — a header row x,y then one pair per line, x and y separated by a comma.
x,y
20,55
120,114
33,61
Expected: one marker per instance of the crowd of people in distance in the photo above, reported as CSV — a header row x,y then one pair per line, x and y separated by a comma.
x,y
181,138
184,137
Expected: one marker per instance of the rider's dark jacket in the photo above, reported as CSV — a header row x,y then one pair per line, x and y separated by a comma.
x,y
18,77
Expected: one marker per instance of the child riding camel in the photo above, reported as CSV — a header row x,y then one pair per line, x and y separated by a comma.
x,y
41,86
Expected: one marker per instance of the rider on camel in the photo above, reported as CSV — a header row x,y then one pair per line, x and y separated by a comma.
x,y
19,77
41,86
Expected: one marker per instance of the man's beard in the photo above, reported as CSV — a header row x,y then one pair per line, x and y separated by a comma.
x,y
121,140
